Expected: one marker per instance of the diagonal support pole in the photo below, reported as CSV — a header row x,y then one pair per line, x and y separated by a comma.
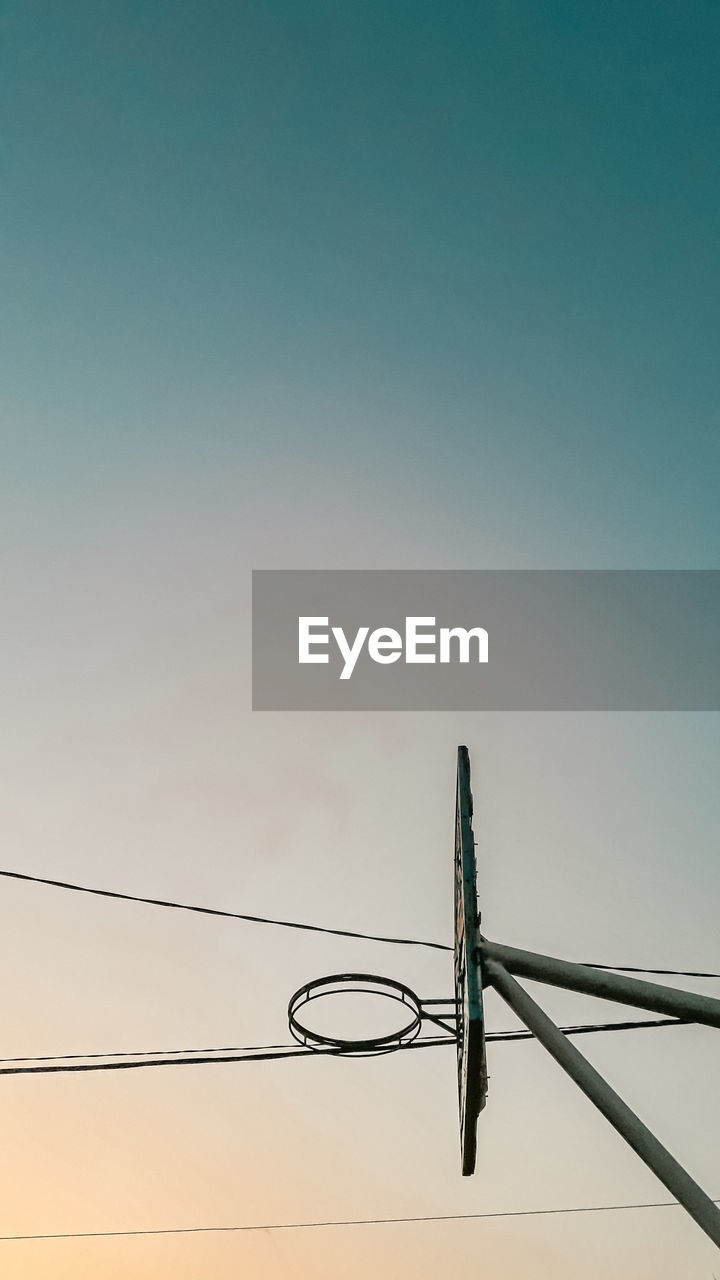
x,y
608,986
629,1126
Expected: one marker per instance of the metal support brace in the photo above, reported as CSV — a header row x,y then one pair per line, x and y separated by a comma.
x,y
653,1153
608,986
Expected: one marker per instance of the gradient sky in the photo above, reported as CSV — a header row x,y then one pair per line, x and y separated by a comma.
x,y
341,285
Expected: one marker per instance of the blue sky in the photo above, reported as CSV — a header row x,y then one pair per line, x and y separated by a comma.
x,y
479,243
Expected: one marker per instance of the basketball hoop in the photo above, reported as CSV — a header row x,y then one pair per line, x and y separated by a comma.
x,y
479,962
364,984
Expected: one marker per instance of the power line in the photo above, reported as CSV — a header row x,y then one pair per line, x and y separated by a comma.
x,y
588,1027
664,973
215,911
289,1051
125,1065
141,1053
309,928
269,1053
347,1222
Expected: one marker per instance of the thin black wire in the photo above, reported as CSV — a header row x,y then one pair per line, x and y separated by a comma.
x,y
268,1053
230,915
311,928
348,1222
589,1027
666,973
142,1053
290,1051
154,1062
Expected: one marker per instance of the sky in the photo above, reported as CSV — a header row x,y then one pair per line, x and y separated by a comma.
x,y
341,286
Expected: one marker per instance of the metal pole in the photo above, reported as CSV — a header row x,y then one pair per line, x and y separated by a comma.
x,y
608,986
653,1153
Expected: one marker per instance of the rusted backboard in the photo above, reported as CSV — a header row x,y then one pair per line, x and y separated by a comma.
x,y
471,1065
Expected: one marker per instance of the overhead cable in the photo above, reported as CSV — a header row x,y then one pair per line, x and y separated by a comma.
x,y
268,1053
215,911
309,928
347,1222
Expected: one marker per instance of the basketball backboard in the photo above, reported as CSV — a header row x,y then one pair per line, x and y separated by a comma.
x,y
472,1068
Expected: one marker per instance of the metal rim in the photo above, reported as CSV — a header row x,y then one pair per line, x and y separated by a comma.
x,y
366,983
